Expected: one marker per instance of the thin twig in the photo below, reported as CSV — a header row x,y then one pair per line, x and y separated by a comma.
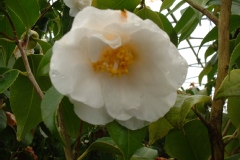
x,y
204,11
25,59
6,36
78,140
189,43
234,135
67,147
226,128
205,122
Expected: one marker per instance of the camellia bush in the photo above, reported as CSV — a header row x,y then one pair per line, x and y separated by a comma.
x,y
102,80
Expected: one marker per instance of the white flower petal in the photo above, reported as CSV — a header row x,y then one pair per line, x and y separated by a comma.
x,y
77,5
122,97
134,123
96,116
78,69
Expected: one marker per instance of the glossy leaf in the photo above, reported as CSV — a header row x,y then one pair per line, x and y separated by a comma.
x,y
213,34
145,153
177,114
116,4
105,144
5,27
189,29
25,102
66,20
234,56
49,107
186,20
23,8
233,110
127,140
71,120
176,7
168,28
7,78
166,4
44,45
234,157
44,66
192,142
3,120
201,2
230,86
146,13
159,129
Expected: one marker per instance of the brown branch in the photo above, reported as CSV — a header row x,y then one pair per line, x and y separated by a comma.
x,y
226,128
78,140
205,122
234,136
67,147
215,134
25,59
6,36
204,11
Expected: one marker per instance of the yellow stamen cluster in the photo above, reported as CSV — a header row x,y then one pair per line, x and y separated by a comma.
x,y
115,61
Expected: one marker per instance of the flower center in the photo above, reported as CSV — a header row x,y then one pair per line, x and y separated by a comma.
x,y
115,61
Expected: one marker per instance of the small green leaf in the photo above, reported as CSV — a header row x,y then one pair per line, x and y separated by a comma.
x,y
27,11
44,66
166,4
116,4
230,86
234,56
189,29
49,107
190,143
44,45
145,153
127,140
176,7
168,28
159,129
177,114
105,144
66,20
7,78
146,13
25,101
3,120
233,110
234,157
210,50
186,19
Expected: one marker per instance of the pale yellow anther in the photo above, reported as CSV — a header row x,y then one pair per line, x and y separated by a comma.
x,y
115,61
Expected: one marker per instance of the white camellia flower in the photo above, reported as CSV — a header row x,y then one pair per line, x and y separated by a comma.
x,y
115,66
76,5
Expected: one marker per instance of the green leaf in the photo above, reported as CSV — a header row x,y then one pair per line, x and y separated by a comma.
x,y
44,45
67,20
234,56
116,4
127,140
213,34
186,20
105,144
3,120
146,13
233,110
71,120
234,157
189,29
230,86
201,2
210,50
159,129
178,113
44,66
190,143
5,27
49,107
25,102
176,7
166,4
7,78
145,153
27,11
167,27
